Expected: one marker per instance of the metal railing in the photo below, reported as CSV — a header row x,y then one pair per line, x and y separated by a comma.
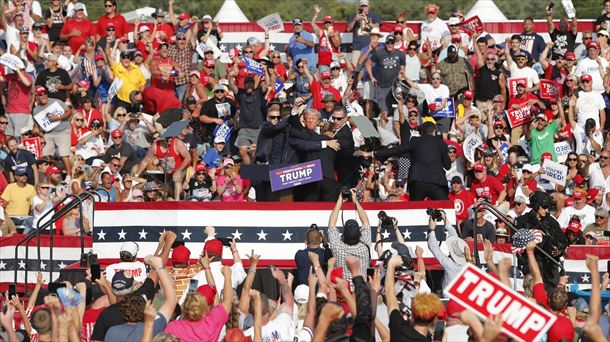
x,y
495,212
59,210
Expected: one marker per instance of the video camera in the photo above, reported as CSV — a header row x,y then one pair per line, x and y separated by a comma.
x,y
435,214
226,241
346,193
387,222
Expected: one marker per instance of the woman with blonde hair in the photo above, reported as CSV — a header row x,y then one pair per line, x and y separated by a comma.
x,y
200,321
117,120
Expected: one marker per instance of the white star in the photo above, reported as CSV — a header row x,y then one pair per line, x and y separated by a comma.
x,y
61,265
385,235
21,264
426,235
407,235
287,235
238,47
2,265
43,266
101,235
585,278
262,235
223,47
484,268
143,234
236,235
271,47
186,235
122,234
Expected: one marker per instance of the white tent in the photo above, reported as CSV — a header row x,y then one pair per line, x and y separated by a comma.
x,y
230,12
144,14
487,11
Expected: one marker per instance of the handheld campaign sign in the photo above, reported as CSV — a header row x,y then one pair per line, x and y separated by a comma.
x,y
512,85
43,117
569,8
273,23
485,296
470,146
448,111
33,145
254,66
549,90
562,149
12,62
471,25
298,174
519,116
555,172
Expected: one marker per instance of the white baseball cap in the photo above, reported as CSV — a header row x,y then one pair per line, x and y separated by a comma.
x,y
130,247
301,294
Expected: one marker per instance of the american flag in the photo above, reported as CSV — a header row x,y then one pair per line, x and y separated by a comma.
x,y
523,236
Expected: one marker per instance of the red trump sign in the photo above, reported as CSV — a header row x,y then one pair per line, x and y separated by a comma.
x,y
487,296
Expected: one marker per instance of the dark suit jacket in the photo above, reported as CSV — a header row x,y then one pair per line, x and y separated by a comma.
x,y
308,145
346,164
429,158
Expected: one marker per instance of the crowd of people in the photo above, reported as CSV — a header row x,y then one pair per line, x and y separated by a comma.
x,y
147,113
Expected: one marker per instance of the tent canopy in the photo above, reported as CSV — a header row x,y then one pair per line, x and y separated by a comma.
x,y
487,11
144,14
230,13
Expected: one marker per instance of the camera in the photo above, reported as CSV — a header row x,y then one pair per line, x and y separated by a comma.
x,y
226,241
385,257
387,222
297,34
314,227
345,193
434,214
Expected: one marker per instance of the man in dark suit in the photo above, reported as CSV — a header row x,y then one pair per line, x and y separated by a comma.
x,y
345,163
310,145
429,160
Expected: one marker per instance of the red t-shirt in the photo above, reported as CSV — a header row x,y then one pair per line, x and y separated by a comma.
x,y
157,101
18,94
318,93
462,201
165,65
491,187
562,328
504,170
120,25
167,29
86,31
520,100
89,318
91,115
240,79
75,134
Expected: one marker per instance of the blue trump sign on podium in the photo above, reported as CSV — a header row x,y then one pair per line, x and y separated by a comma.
x,y
294,175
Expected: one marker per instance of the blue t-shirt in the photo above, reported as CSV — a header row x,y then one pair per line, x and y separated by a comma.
x,y
361,40
303,263
299,50
212,158
133,331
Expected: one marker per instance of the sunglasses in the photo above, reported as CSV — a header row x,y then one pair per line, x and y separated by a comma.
x,y
400,21
603,157
587,38
585,81
490,59
328,22
110,29
275,56
338,118
115,165
411,49
121,115
521,59
3,122
273,117
45,187
107,6
413,115
42,94
583,160
436,78
79,119
219,91
181,38
572,159
200,173
249,51
116,137
335,68
481,171
599,217
209,52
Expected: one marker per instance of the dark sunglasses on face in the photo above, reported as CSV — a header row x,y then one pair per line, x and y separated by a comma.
x,y
400,21
585,81
335,68
603,157
273,117
572,159
110,29
200,173
250,51
116,137
412,49
599,217
219,91
338,118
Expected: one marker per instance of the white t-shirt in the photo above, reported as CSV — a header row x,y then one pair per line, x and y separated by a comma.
x,y
597,179
527,72
70,9
238,275
583,144
431,93
37,214
591,67
588,105
340,83
434,31
412,67
282,328
137,268
586,215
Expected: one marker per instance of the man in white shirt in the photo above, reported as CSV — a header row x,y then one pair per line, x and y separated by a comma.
x,y
589,105
128,255
591,65
599,173
585,212
412,63
433,29
214,249
519,69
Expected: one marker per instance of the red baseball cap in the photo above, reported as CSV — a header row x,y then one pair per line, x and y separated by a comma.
x,y
398,29
575,226
568,202
213,247
456,37
327,18
99,56
200,167
591,194
578,179
40,90
181,254
579,194
184,16
116,132
586,77
326,75
209,63
570,56
208,292
479,167
53,170
593,44
546,155
431,9
469,94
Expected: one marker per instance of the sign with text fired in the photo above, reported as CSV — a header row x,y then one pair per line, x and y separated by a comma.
x,y
298,174
486,296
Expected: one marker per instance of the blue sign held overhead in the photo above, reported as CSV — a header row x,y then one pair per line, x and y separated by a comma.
x,y
447,112
294,175
254,66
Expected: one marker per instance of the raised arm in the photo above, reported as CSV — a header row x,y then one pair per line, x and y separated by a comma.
x,y
334,215
244,299
390,292
167,284
361,212
285,290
